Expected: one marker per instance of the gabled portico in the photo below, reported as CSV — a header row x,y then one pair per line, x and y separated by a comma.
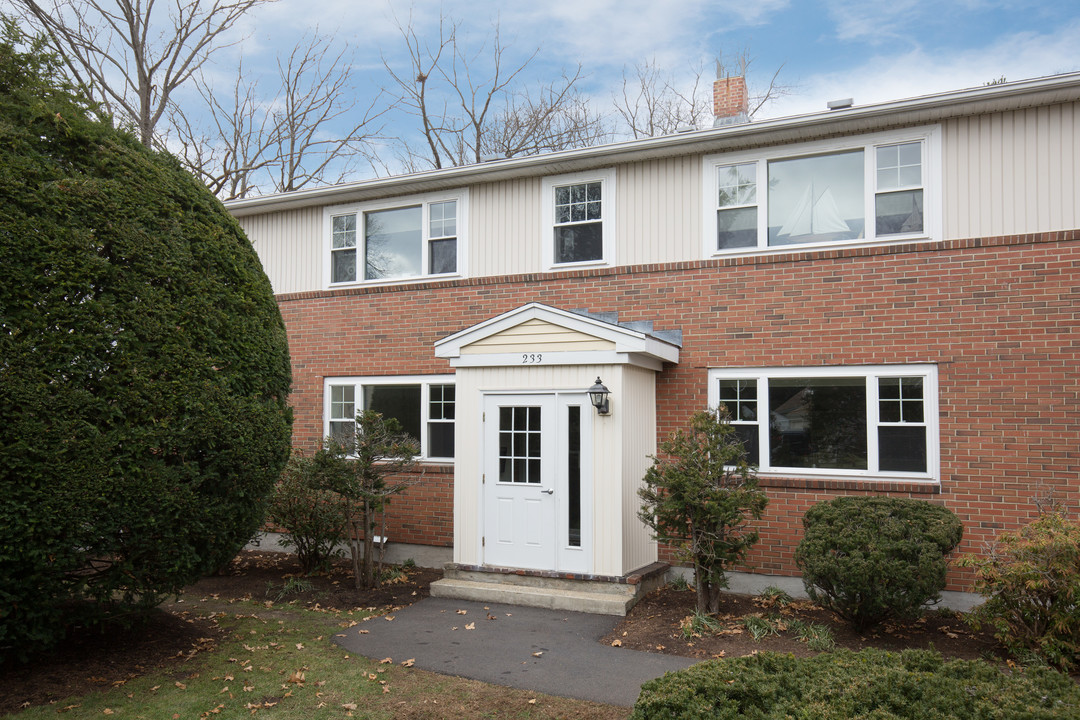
x,y
545,485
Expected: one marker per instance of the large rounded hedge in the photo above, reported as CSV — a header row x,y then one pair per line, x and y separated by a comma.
x,y
144,369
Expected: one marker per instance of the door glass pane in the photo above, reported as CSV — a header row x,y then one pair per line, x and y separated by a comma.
x,y
519,445
573,474
817,423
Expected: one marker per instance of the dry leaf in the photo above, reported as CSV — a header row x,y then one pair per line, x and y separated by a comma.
x,y
180,685
349,706
299,646
297,677
616,643
538,654
386,661
388,618
471,626
106,711
409,663
386,688
363,632
462,612
532,701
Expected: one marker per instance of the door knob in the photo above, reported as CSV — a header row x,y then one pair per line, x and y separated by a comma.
x,y
549,491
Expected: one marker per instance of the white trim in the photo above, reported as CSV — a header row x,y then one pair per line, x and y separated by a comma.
x,y
930,414
933,223
461,195
424,381
606,178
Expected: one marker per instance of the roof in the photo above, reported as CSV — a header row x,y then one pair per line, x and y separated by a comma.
x,y
798,128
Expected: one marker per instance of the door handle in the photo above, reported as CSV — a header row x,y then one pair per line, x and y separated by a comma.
x,y
549,491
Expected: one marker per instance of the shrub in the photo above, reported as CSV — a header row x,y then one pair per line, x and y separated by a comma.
x,y
699,495
144,370
1031,580
872,558
313,518
873,684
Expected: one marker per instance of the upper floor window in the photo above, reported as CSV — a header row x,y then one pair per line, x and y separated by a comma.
x,y
393,240
866,189
862,421
578,210
424,405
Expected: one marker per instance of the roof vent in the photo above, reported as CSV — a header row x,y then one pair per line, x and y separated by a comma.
x,y
841,104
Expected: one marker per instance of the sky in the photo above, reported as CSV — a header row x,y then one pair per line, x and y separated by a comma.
x,y
870,50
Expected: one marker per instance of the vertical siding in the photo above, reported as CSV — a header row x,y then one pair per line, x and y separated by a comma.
x,y
658,211
290,246
638,407
505,225
1011,173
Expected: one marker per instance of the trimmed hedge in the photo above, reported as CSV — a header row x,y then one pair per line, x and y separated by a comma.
x,y
144,369
872,684
873,558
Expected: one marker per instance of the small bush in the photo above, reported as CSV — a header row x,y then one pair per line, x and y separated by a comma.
x,y
1031,580
914,685
314,519
872,558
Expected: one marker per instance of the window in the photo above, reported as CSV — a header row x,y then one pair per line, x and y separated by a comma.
x,y
868,421
873,188
578,209
414,237
425,407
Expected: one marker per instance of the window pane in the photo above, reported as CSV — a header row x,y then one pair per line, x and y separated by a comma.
x,y
342,431
817,423
443,256
441,440
902,448
573,475
737,185
344,234
748,435
899,212
344,266
342,402
816,199
443,219
441,405
392,243
579,243
736,228
396,401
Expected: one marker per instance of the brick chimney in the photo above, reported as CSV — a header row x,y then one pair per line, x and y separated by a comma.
x,y
731,103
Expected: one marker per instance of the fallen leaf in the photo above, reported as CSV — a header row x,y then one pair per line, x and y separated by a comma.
x,y
538,654
471,626
363,632
297,677
386,688
532,701
386,661
388,618
462,612
180,685
349,706
491,617
409,663
106,711
616,643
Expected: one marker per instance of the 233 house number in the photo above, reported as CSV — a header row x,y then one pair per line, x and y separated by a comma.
x,y
532,358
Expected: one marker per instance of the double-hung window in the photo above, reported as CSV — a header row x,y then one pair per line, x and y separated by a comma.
x,y
864,189
878,421
424,405
400,239
580,219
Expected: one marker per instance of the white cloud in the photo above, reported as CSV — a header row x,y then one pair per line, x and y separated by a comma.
x,y
920,72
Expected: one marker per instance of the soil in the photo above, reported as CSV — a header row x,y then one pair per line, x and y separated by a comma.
x,y
92,660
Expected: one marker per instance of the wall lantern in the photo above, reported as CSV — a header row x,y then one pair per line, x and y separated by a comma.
x,y
598,396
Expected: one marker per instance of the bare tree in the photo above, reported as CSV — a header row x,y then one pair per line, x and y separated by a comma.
x,y
653,102
468,106
130,55
289,139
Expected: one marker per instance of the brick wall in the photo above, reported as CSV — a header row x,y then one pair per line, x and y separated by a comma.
x,y
999,316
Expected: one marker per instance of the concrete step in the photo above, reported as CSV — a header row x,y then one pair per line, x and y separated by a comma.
x,y
599,587
588,601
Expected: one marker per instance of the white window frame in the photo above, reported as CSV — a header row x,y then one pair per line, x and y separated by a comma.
x,y
424,381
871,373
424,201
606,178
930,136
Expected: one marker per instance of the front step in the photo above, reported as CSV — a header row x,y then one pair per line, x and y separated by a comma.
x,y
589,594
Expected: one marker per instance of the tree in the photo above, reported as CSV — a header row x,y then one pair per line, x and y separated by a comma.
x,y
288,139
468,107
699,495
367,471
653,102
144,370
132,57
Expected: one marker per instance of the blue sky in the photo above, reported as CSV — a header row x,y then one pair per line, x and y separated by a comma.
x,y
871,50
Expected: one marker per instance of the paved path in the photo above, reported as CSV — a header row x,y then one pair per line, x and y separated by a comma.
x,y
549,651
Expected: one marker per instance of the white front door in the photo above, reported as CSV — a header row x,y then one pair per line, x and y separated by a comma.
x,y
537,489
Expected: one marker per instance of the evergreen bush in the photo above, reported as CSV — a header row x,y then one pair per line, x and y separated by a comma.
x,y
871,684
1031,581
873,558
314,519
144,369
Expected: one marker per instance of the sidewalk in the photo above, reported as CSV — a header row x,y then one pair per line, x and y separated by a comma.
x,y
548,651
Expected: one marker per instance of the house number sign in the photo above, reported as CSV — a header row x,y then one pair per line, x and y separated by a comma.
x,y
532,358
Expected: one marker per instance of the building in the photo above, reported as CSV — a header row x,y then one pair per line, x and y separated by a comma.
x,y
888,296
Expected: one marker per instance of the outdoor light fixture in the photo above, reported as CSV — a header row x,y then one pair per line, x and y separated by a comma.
x,y
598,396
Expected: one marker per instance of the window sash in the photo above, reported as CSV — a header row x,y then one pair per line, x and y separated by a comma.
x,y
436,412
886,440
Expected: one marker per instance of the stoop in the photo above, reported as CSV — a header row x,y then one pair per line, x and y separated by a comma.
x,y
597,594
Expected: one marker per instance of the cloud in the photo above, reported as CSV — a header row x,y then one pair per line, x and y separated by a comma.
x,y
916,72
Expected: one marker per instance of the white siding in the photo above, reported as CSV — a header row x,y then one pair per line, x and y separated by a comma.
x,y
290,245
506,228
638,408
658,212
1012,173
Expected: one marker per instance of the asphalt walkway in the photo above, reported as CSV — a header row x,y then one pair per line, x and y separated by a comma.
x,y
549,651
